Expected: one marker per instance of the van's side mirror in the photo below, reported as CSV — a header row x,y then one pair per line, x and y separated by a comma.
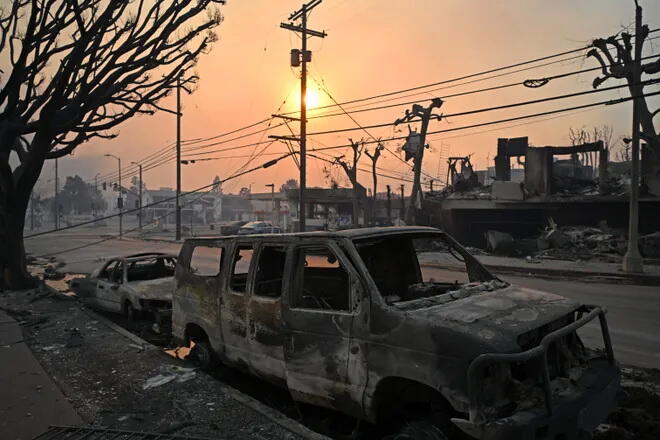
x,y
114,286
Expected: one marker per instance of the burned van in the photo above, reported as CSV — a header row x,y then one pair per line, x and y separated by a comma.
x,y
357,321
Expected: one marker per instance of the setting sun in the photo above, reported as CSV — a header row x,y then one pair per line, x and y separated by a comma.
x,y
312,98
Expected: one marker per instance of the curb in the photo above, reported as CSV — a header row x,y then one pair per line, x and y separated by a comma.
x,y
607,277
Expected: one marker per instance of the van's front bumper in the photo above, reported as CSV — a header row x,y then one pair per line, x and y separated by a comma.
x,y
570,418
564,418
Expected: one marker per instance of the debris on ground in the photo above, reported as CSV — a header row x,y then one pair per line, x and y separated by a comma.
x,y
103,376
170,373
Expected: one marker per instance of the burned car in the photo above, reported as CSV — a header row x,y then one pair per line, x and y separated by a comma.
x,y
133,285
356,321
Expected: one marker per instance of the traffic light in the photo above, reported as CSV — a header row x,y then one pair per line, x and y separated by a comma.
x,y
105,186
120,203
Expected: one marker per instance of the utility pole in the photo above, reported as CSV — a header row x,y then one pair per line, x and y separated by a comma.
x,y
140,197
301,58
403,203
389,203
632,260
120,200
178,158
424,115
272,207
57,201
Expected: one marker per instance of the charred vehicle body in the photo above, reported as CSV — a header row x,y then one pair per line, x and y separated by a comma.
x,y
132,285
353,321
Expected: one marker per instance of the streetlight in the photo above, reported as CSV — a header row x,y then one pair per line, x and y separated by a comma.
x,y
272,206
140,196
120,201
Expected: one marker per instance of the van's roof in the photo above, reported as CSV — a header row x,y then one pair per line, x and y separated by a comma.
x,y
346,233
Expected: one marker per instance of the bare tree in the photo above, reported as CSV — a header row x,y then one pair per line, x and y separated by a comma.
x,y
351,173
78,69
374,159
622,66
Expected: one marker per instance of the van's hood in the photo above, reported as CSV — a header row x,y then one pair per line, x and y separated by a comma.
x,y
158,289
498,317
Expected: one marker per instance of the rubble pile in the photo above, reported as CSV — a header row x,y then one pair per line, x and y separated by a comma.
x,y
572,243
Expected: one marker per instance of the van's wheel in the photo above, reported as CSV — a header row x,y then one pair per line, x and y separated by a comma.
x,y
418,430
202,355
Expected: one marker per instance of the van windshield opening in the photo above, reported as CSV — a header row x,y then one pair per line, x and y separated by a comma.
x,y
402,266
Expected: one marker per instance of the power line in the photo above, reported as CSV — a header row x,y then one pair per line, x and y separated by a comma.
x,y
168,199
454,95
534,115
472,75
493,108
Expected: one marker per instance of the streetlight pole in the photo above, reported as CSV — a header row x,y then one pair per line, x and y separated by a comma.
x,y
140,197
120,200
272,206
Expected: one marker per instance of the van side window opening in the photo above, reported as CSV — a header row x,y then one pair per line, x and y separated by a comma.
x,y
240,268
321,282
270,271
206,261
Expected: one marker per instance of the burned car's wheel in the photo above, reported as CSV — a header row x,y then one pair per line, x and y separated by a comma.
x,y
202,355
418,430
129,312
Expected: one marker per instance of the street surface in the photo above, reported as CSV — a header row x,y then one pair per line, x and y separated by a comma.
x,y
632,317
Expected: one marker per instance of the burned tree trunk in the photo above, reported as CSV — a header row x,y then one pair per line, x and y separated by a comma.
x,y
14,274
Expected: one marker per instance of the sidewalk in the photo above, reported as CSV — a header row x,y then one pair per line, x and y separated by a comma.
x,y
29,401
582,270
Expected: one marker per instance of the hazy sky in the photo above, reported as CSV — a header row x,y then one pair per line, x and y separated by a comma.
x,y
374,47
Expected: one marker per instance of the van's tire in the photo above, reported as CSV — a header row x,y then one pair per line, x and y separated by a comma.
x,y
418,430
202,356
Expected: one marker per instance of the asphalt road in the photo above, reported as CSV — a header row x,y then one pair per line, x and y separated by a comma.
x,y
633,311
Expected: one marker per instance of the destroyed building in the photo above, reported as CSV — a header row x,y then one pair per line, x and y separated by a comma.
x,y
556,185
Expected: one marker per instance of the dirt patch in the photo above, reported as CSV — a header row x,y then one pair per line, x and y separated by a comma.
x,y
637,416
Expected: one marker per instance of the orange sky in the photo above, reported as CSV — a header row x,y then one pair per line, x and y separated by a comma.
x,y
374,47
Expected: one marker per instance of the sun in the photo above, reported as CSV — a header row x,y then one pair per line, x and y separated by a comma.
x,y
312,98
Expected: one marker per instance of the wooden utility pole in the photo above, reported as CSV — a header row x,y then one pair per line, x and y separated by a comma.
x,y
178,159
419,113
632,260
403,203
389,204
301,58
